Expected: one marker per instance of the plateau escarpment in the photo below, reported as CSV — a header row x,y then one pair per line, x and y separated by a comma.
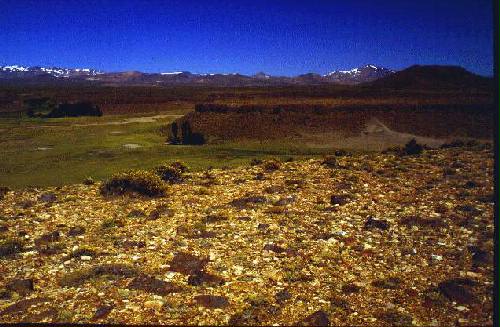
x,y
213,122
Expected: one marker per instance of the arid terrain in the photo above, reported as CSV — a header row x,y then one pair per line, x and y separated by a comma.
x,y
363,239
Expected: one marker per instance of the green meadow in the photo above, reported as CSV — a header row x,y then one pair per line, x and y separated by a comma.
x,y
53,152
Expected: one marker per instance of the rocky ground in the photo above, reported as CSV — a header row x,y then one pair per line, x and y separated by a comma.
x,y
374,239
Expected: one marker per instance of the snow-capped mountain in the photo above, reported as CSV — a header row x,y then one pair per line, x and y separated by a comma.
x,y
36,74
367,73
22,71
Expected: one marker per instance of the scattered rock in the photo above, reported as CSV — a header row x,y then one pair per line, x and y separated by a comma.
x,y
274,248
396,318
188,264
126,244
136,213
156,305
339,199
161,211
212,301
318,318
152,285
480,257
376,223
432,297
51,314
336,302
10,247
54,236
26,204
455,290
78,277
23,305
422,222
254,315
22,287
282,296
203,278
48,197
469,210
76,231
211,219
350,288
262,227
245,202
82,252
388,283
102,312
274,189
470,184
285,200
200,234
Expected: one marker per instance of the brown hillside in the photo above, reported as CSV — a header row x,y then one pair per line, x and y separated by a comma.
x,y
220,122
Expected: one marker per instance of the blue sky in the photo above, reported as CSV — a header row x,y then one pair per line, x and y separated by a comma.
x,y
280,37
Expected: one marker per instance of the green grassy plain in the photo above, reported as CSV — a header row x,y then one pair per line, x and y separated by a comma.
x,y
76,149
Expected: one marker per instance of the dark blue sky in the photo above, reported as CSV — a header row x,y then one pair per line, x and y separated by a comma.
x,y
278,37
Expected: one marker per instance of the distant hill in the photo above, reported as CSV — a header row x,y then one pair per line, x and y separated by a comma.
x,y
433,77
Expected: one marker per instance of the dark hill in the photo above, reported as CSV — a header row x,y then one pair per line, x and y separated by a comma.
x,y
433,77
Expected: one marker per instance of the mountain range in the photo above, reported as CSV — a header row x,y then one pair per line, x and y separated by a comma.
x,y
36,74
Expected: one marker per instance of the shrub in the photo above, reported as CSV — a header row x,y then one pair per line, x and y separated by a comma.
x,y
255,162
3,190
271,165
412,148
330,161
75,110
88,181
112,222
135,181
10,247
169,173
180,165
453,144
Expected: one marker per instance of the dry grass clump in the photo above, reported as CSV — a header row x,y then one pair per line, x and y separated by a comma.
x,y
330,161
172,173
271,165
135,181
412,148
10,247
78,277
3,190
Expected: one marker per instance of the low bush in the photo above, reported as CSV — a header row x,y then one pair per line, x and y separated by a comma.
x,y
172,173
453,144
135,181
180,165
112,222
330,161
412,148
10,247
75,110
3,190
255,162
88,181
271,165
